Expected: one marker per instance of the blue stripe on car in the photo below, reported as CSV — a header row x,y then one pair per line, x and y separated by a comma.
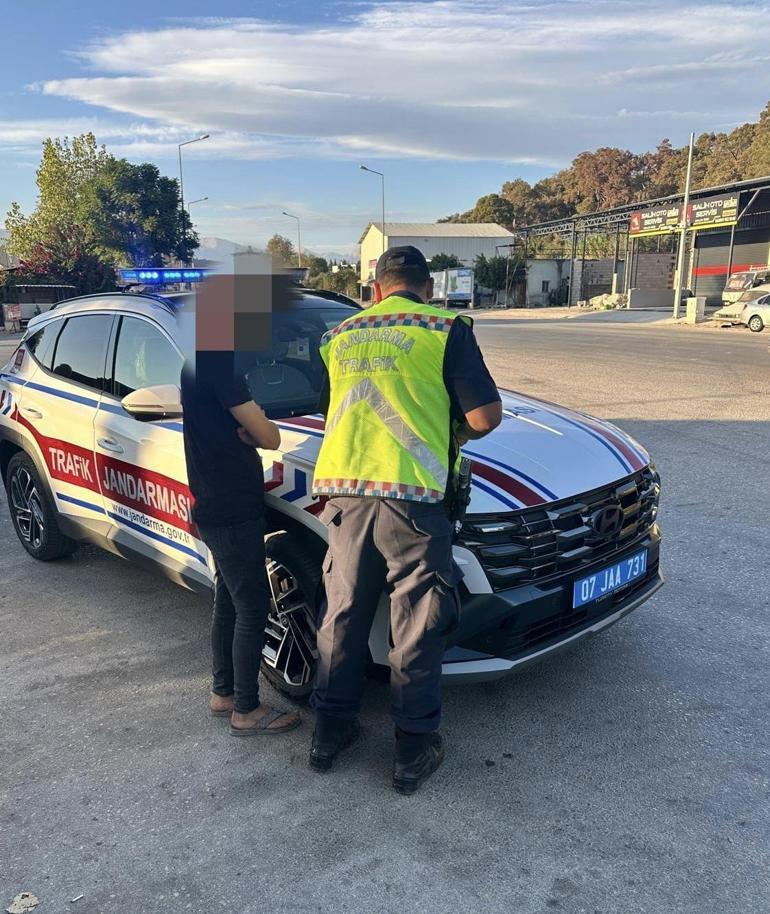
x,y
498,495
301,429
157,536
80,503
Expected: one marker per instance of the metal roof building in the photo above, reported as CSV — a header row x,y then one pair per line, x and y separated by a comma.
x,y
728,230
466,240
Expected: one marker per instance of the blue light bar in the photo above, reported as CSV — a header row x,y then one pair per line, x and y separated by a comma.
x,y
158,276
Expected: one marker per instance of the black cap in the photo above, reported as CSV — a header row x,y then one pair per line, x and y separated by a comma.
x,y
405,256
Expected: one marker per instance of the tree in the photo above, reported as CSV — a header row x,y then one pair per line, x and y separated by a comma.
x,y
68,257
129,213
492,208
315,264
66,169
603,179
443,262
489,208
280,248
491,272
524,200
345,280
135,216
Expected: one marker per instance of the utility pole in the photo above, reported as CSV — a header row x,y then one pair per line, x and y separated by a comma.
x,y
683,232
382,179
182,216
299,238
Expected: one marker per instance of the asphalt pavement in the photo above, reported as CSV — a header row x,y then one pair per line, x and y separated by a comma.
x,y
628,776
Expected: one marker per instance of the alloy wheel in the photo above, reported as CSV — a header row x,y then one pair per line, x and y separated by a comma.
x,y
27,507
290,634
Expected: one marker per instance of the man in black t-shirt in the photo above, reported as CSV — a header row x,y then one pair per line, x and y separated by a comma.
x,y
222,429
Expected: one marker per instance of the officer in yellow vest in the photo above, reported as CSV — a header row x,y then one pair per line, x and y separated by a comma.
x,y
407,385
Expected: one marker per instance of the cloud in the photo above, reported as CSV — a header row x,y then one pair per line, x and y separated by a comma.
x,y
499,80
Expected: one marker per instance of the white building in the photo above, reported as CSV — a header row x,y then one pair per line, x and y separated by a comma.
x,y
465,240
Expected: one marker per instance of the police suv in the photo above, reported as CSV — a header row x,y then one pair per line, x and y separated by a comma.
x,y
559,542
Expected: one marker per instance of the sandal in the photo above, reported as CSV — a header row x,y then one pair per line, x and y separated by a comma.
x,y
262,726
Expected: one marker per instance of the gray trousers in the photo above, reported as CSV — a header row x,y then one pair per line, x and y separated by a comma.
x,y
405,549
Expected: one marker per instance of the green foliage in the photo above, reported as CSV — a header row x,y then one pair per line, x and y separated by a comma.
x,y
444,262
280,248
70,258
135,217
128,214
345,280
66,169
315,264
490,208
491,272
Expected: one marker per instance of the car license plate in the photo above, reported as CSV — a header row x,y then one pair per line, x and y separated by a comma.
x,y
603,582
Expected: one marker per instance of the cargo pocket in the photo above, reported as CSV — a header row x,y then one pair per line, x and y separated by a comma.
x,y
447,591
435,523
330,515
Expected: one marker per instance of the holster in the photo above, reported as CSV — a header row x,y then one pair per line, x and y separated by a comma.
x,y
461,491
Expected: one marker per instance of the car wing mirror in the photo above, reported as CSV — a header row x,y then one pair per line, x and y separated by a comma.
x,y
161,401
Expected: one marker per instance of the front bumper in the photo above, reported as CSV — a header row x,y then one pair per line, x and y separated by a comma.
x,y
501,632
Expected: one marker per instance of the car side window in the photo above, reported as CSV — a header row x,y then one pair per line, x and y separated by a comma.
x,y
144,357
41,344
81,350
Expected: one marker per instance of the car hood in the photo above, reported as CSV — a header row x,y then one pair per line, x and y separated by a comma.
x,y
540,453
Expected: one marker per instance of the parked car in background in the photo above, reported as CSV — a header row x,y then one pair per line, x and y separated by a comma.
x,y
741,282
756,313
733,312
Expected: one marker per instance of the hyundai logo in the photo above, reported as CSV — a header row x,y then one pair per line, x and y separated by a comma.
x,y
607,521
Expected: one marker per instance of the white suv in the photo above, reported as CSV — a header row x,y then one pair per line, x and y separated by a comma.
x,y
560,541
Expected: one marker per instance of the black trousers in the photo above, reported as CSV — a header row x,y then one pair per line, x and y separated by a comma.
x,y
405,549
241,605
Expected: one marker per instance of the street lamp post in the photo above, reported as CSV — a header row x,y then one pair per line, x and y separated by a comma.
x,y
196,139
199,200
299,238
382,178
683,232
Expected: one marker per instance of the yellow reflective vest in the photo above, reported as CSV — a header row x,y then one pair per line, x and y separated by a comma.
x,y
388,427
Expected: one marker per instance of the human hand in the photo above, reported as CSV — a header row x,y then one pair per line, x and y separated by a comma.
x,y
246,438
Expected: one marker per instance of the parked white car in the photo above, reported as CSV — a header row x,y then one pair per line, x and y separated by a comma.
x,y
561,539
756,313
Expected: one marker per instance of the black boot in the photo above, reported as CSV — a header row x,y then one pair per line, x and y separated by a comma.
x,y
418,755
331,735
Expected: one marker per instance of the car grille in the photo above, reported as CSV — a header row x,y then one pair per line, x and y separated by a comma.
x,y
538,544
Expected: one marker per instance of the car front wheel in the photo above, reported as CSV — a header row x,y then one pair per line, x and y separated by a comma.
x,y
755,323
33,515
289,656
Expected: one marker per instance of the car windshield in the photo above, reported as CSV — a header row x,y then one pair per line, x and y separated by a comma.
x,y
752,294
286,380
738,281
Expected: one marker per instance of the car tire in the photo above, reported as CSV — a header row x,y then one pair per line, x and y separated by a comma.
x,y
755,323
289,657
33,514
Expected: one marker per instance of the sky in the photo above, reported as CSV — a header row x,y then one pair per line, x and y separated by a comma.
x,y
449,98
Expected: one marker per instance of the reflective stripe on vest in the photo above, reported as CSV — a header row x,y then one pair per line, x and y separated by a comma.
x,y
366,390
388,428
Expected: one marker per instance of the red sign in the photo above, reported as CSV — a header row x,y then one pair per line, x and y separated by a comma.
x,y
13,313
